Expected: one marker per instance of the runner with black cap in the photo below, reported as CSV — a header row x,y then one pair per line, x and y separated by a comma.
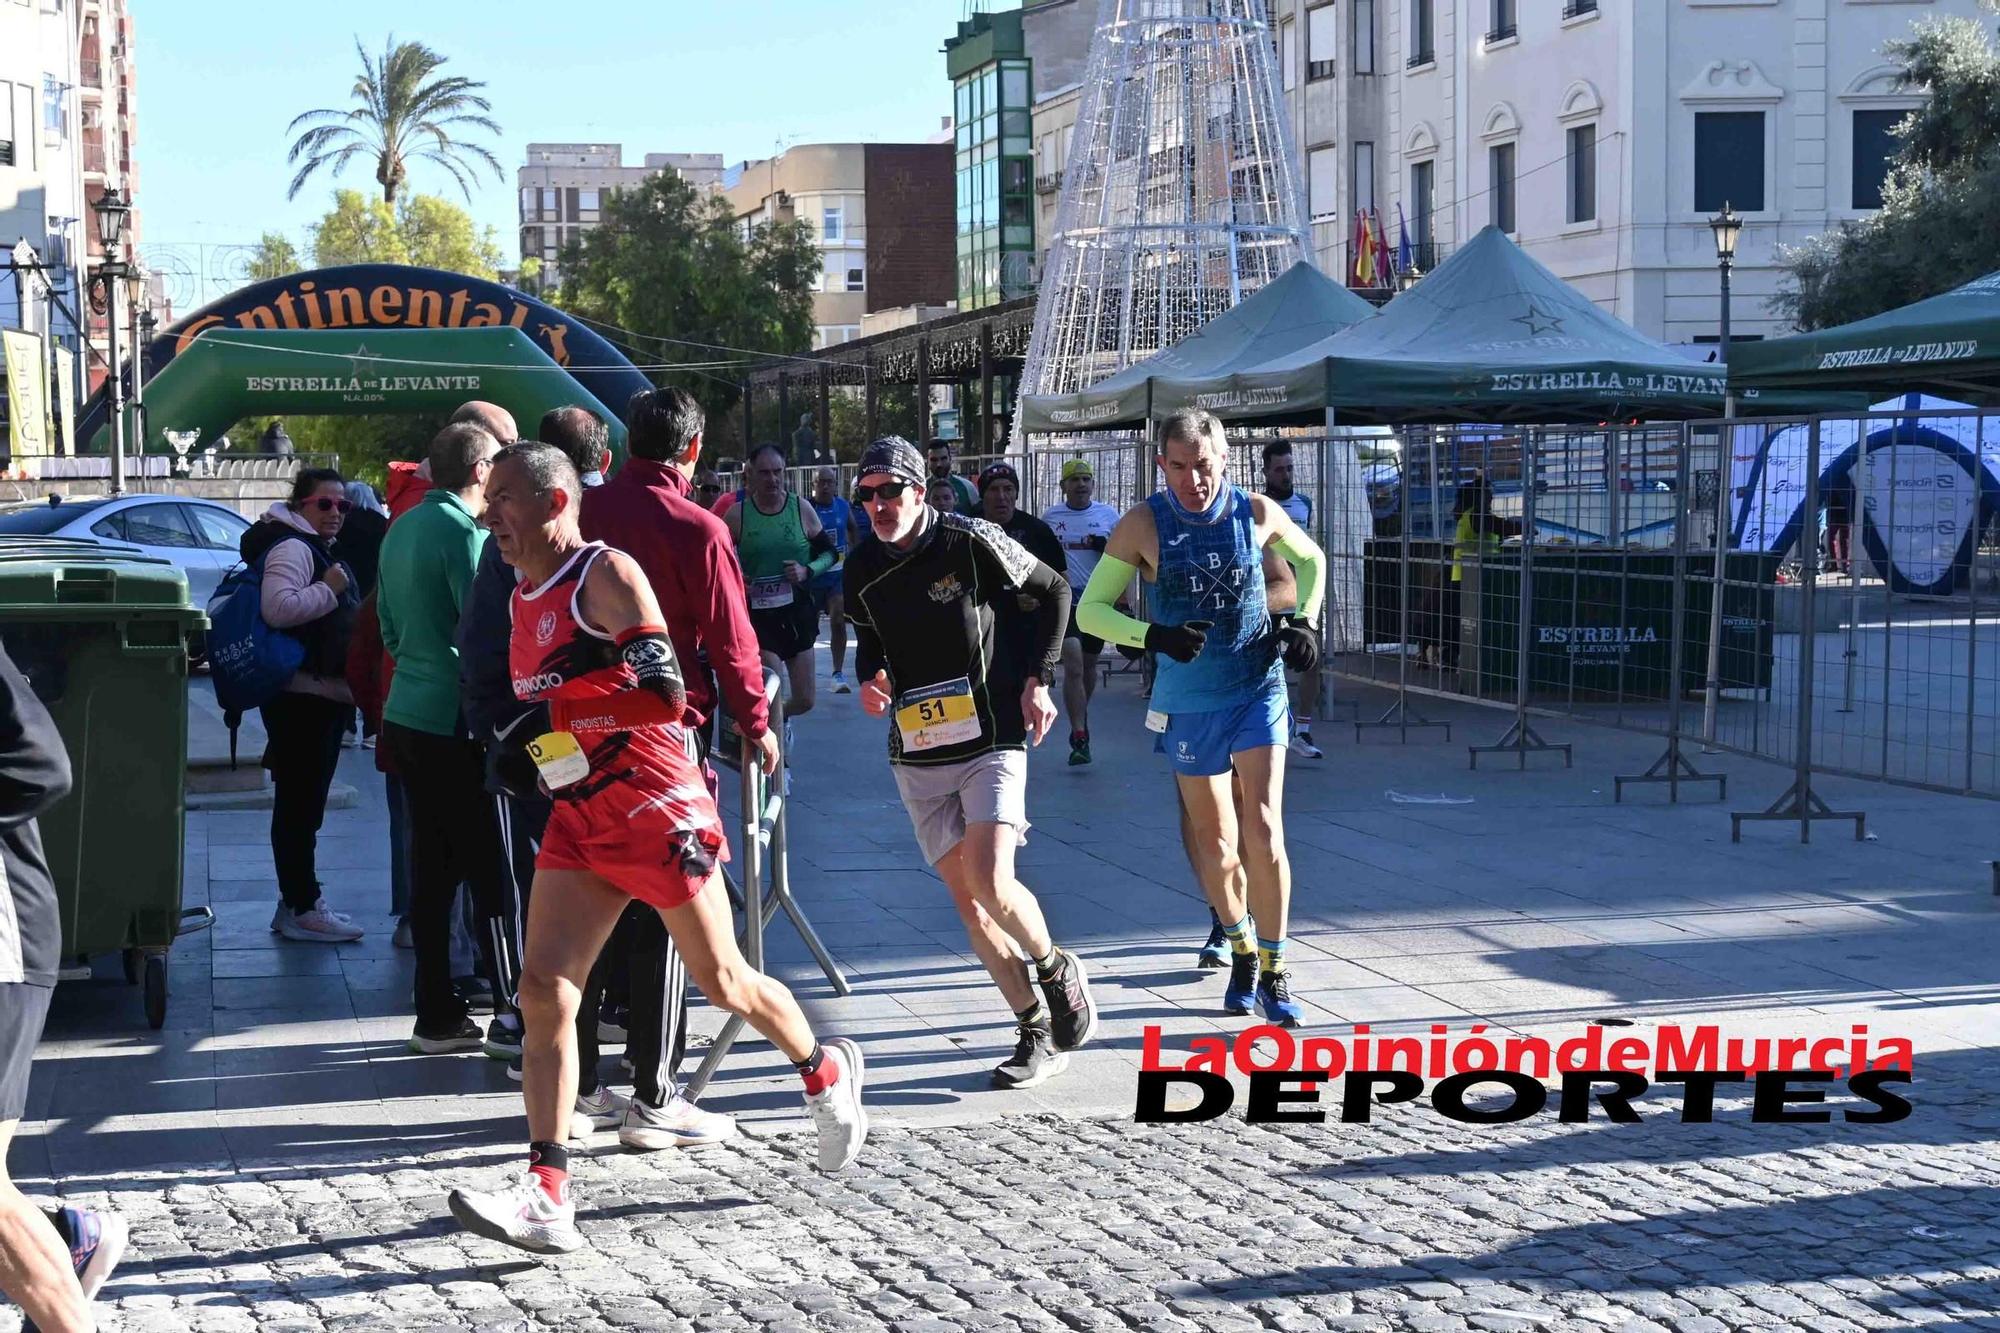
x,y
926,598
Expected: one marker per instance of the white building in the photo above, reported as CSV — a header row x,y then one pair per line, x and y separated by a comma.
x,y
563,187
1601,133
41,154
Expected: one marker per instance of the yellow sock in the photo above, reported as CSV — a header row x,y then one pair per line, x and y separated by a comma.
x,y
1238,936
1270,955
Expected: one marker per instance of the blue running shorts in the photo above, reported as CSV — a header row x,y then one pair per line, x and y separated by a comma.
x,y
1200,744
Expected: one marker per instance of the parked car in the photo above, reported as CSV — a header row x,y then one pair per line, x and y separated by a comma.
x,y
200,536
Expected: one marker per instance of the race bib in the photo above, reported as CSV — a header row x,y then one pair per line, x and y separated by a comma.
x,y
559,759
769,594
937,715
1156,721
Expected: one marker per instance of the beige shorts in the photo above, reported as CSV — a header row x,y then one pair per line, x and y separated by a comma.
x,y
943,799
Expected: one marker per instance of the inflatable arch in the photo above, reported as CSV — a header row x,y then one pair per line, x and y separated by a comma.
x,y
383,297
1929,484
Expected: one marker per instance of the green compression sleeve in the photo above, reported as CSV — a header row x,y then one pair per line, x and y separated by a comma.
x,y
1308,562
1097,613
822,562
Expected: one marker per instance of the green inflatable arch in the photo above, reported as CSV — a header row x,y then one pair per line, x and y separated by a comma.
x,y
227,375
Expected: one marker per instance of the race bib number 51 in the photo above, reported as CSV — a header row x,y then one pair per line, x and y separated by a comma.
x,y
937,715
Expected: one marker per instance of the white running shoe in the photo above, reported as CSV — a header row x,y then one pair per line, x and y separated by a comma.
x,y
1302,745
840,685
524,1217
837,1113
596,1111
405,936
348,740
678,1124
317,926
279,914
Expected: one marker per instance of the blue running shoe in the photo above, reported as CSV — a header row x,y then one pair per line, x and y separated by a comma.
x,y
96,1244
1215,953
1242,992
1274,997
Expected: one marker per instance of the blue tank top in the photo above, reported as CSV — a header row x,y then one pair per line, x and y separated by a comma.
x,y
1211,569
833,517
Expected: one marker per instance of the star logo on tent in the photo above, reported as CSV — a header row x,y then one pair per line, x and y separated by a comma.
x,y
1539,321
362,362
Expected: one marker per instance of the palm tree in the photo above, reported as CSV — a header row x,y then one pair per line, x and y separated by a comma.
x,y
402,113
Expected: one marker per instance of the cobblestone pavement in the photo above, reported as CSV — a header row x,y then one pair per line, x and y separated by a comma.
x,y
1408,1222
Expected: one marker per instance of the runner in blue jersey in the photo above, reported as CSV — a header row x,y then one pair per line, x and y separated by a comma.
x,y
1218,700
836,520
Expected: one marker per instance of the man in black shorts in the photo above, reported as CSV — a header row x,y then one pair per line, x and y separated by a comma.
x,y
782,547
1083,525
50,1263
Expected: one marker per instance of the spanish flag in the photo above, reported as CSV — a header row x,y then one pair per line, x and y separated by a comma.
x,y
1364,256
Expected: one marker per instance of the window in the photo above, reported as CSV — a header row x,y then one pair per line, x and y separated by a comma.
x,y
1582,173
1323,181
1503,23
1288,53
831,227
218,529
1364,35
1322,43
1500,185
857,280
1875,145
148,525
1423,49
531,205
6,123
1729,161
55,118
1423,199
1578,8
1364,175
589,204
551,203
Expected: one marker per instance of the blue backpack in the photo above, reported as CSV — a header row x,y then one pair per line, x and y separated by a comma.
x,y
248,660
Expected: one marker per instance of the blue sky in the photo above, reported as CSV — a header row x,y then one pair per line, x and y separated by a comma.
x,y
218,81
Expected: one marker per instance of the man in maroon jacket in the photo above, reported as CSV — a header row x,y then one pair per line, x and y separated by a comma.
x,y
687,555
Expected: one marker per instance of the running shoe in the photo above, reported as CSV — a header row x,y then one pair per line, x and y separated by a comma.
x,y
1242,991
476,992
524,1217
514,1070
348,740
97,1243
1035,1059
678,1124
837,1113
367,742
466,1036
405,936
503,1040
1079,748
1302,745
1215,953
318,926
1072,1013
840,685
1274,998
603,1109
282,912
611,1023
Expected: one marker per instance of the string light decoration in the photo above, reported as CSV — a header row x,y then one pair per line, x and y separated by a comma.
x,y
1181,196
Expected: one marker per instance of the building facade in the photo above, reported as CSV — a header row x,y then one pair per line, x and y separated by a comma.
x,y
880,213
563,188
1601,134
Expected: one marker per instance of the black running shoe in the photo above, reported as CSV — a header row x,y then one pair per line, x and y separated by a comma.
x,y
1072,1013
1035,1059
1215,953
1242,992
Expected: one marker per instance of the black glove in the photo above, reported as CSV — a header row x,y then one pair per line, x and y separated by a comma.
x,y
508,767
1097,543
1176,641
1298,644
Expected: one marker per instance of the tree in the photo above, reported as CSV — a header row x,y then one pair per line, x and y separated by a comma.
x,y
274,257
675,267
405,110
423,229
1934,230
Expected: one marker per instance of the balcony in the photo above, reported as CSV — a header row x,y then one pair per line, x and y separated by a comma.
x,y
1506,32
1048,182
92,73
1427,56
94,157
1576,9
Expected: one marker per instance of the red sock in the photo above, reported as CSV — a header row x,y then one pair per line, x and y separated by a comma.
x,y
819,1072
553,1180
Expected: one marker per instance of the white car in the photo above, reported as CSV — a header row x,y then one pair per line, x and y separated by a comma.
x,y
200,536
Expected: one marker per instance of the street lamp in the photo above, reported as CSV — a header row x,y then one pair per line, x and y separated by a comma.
x,y
112,213
1727,226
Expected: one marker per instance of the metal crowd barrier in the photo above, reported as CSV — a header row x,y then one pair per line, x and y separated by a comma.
x,y
761,841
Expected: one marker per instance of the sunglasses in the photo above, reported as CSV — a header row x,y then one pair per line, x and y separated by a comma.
x,y
326,506
709,490
888,490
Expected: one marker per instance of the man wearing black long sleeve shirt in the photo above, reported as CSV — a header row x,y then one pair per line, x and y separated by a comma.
x,y
924,600
46,1260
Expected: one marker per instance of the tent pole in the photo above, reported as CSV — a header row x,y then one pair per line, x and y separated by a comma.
x,y
1400,714
1858,481
1520,738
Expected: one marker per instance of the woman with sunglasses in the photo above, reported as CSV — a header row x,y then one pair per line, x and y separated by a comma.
x,y
306,592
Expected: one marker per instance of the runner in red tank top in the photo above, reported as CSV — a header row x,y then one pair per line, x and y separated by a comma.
x,y
633,819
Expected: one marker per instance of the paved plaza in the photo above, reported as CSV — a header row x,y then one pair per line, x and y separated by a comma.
x,y
284,1162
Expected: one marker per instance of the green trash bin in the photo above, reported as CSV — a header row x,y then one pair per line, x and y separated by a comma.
x,y
102,636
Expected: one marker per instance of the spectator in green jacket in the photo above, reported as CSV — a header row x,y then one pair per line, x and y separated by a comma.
x,y
427,565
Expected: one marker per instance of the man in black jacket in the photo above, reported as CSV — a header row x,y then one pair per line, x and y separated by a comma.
x,y
46,1259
